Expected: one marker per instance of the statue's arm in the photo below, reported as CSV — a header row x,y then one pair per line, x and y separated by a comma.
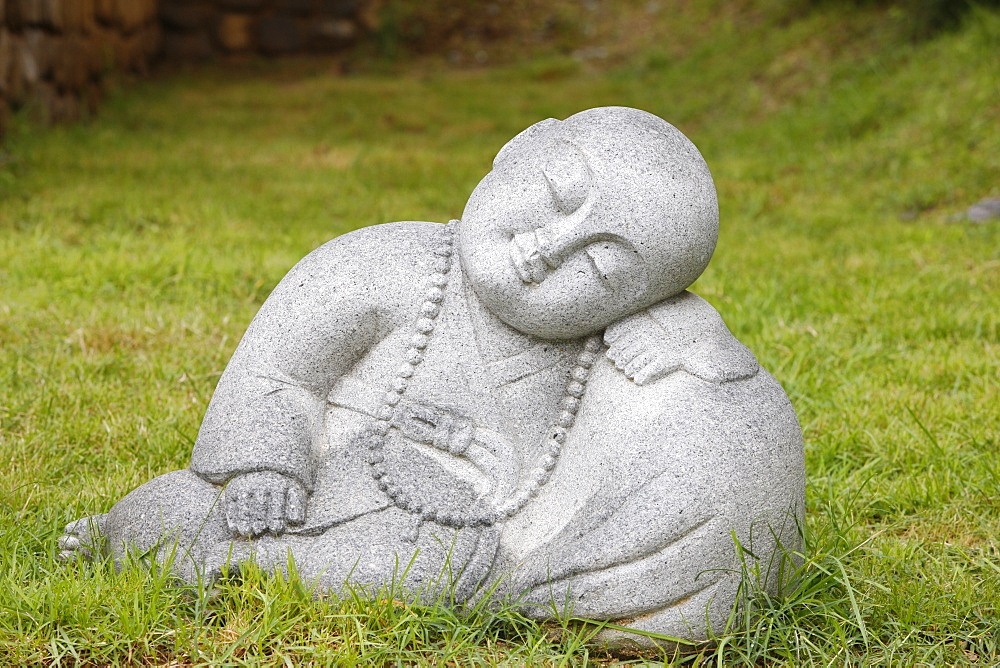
x,y
268,405
322,318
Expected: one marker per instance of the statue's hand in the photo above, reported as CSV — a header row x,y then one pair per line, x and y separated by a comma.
x,y
634,345
264,501
682,332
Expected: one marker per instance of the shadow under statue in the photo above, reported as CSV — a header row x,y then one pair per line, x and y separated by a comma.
x,y
527,400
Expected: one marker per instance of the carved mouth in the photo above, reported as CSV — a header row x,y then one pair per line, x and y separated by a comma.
x,y
526,258
519,262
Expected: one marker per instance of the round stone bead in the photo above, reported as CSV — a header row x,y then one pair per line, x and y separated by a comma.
x,y
399,384
419,341
435,295
392,398
528,492
430,310
593,345
508,508
405,371
586,360
558,435
566,419
414,356
548,462
442,265
380,428
554,448
384,413
425,325
376,457
378,472
571,405
575,389
580,374
538,478
438,280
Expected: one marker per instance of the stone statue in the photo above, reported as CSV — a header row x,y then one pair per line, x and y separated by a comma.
x,y
525,402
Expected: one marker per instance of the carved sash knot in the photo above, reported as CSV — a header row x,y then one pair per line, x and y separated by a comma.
x,y
433,425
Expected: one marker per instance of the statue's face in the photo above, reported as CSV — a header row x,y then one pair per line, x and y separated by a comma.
x,y
573,230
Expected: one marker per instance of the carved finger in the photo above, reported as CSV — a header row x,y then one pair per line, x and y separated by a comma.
x,y
642,360
276,511
629,343
624,352
653,371
259,511
616,353
296,505
244,512
620,332
232,511
635,346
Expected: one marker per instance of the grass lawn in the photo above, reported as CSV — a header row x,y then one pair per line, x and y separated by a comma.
x,y
135,249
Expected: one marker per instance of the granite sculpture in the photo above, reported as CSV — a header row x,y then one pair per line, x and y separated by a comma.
x,y
523,403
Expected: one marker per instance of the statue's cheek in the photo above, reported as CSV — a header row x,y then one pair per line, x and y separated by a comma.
x,y
620,269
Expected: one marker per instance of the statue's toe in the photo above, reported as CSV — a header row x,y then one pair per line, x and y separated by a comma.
x,y
69,555
81,538
69,542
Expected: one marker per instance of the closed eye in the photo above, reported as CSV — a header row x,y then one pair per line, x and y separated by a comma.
x,y
568,178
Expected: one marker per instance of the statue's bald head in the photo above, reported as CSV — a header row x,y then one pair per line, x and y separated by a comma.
x,y
619,186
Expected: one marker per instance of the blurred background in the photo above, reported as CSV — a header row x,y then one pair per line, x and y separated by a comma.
x,y
57,55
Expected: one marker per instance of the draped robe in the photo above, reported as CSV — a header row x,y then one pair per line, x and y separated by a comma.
x,y
656,488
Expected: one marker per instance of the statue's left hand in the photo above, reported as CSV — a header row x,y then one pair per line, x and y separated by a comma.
x,y
264,501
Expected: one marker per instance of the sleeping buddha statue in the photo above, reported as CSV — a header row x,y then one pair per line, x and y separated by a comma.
x,y
524,403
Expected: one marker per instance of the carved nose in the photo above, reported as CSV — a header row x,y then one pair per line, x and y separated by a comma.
x,y
560,239
537,252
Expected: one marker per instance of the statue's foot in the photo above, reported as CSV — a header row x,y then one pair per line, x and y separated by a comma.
x,y
82,538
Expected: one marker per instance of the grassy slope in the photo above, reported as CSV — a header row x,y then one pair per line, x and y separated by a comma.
x,y
135,249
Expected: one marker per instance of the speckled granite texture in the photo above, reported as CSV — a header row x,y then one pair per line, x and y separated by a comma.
x,y
526,400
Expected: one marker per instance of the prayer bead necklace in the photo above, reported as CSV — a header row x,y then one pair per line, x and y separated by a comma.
x,y
556,436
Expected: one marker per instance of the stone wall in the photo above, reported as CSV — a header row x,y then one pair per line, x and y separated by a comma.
x,y
195,29
55,54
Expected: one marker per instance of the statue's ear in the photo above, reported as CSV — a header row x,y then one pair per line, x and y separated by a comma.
x,y
525,137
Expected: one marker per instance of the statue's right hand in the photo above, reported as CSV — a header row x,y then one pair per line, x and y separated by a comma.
x,y
264,501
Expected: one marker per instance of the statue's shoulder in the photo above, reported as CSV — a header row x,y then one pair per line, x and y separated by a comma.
x,y
389,247
683,333
388,261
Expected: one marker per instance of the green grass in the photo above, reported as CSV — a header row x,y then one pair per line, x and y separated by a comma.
x,y
134,250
